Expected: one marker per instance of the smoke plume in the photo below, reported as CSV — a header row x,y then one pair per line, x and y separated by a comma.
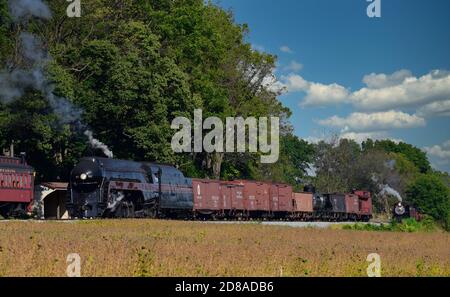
x,y
386,189
24,9
96,144
15,83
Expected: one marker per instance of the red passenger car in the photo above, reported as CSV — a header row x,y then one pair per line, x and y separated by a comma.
x,y
16,186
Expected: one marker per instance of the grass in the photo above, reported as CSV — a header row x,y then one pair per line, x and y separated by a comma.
x,y
173,248
407,225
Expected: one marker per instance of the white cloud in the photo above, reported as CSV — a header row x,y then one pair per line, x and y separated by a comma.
x,y
378,81
316,94
435,109
412,91
440,151
313,139
295,83
430,92
379,121
271,83
294,66
320,94
286,49
359,137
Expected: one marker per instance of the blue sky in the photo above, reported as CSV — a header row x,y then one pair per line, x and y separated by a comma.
x,y
357,76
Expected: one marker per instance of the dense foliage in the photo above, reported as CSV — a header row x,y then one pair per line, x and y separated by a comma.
x,y
431,196
132,67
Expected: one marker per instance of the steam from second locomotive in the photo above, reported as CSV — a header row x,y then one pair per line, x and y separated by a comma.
x,y
15,81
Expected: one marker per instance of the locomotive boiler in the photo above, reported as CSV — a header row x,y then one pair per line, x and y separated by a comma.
x,y
101,187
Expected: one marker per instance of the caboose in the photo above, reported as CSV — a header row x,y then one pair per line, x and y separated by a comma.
x,y
16,186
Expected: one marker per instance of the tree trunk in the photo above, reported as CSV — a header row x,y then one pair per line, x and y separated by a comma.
x,y
214,164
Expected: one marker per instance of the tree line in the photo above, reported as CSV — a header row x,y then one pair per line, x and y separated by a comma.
x,y
132,66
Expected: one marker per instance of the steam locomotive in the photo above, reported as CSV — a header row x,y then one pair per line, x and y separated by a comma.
x,y
110,188
101,187
404,211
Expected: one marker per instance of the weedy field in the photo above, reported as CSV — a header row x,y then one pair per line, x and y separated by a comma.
x,y
172,248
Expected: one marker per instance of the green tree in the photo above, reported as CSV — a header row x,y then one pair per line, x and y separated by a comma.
x,y
295,158
412,153
133,66
431,196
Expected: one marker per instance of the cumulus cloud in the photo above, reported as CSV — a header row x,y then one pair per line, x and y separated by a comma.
x,y
360,137
379,121
412,91
430,92
378,81
320,94
295,83
440,151
317,94
435,109
271,83
294,66
286,49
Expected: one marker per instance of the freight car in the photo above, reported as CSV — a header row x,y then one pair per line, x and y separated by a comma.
x,y
101,187
16,186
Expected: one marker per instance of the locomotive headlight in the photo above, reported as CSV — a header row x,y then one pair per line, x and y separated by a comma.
x,y
83,176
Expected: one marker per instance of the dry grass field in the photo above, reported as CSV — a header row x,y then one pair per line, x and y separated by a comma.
x,y
170,248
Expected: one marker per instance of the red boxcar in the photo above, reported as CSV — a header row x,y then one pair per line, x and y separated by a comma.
x,y
352,204
232,196
281,198
16,184
256,195
302,202
207,195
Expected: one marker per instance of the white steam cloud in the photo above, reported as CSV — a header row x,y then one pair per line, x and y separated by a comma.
x,y
387,190
96,144
384,188
16,82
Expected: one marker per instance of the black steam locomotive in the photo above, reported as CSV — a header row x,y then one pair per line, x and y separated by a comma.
x,y
405,211
101,187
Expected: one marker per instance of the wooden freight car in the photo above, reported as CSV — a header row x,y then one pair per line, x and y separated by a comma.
x,y
302,204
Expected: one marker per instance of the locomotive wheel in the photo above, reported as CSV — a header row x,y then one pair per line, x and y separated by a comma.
x,y
130,209
126,210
